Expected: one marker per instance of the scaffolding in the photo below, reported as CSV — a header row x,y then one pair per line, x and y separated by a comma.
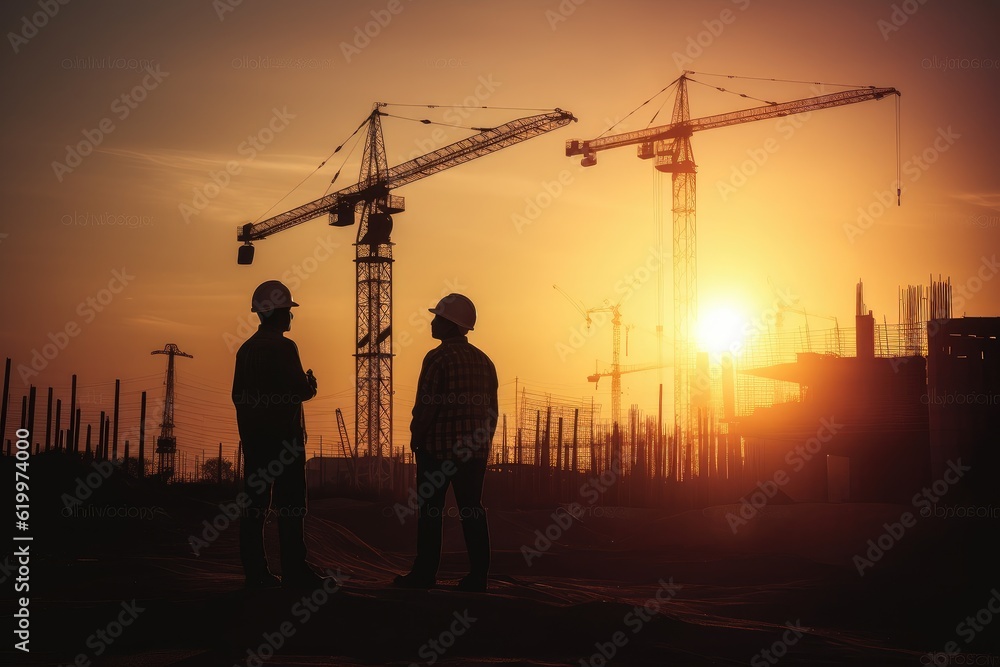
x,y
555,431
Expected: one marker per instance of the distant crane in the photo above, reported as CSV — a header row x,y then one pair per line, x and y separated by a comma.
x,y
345,449
670,145
616,328
166,443
373,257
784,306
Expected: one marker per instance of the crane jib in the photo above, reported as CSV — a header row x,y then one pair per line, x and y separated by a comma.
x,y
688,127
459,152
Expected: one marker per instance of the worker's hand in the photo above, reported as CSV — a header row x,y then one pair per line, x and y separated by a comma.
x,y
312,379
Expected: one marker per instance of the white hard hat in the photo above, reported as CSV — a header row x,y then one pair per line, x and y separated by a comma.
x,y
456,308
271,295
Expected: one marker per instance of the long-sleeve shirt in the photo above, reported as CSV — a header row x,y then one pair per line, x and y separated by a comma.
x,y
269,387
455,412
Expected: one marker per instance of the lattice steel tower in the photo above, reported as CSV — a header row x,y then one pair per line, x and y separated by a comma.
x,y
166,443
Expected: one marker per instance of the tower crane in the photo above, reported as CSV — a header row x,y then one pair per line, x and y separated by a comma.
x,y
622,370
616,328
166,443
371,198
670,146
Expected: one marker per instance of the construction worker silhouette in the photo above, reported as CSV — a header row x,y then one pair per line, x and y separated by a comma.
x,y
269,387
454,419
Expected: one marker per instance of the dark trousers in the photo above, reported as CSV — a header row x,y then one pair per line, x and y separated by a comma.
x,y
432,487
275,480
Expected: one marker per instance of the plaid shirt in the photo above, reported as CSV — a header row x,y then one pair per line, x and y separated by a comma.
x,y
269,387
455,413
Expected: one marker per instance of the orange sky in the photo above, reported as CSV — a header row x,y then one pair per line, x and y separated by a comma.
x,y
207,92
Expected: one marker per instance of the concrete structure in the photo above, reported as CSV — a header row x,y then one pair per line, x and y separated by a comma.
x,y
859,433
963,399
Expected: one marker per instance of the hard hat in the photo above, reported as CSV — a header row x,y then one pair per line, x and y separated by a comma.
x,y
456,308
271,295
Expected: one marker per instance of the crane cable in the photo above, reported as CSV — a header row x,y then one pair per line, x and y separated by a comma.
x,y
760,78
616,123
427,121
899,182
320,166
365,123
733,92
462,106
899,176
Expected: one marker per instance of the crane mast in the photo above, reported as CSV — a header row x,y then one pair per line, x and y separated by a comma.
x,y
670,145
371,198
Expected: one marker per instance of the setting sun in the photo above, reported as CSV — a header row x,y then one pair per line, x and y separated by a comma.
x,y
719,328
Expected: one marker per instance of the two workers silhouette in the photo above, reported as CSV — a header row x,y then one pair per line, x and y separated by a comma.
x,y
454,418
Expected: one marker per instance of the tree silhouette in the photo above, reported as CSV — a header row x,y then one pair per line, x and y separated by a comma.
x,y
210,470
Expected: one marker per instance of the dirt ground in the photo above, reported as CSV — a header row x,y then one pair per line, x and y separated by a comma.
x,y
614,586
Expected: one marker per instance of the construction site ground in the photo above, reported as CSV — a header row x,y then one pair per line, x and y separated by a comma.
x,y
630,586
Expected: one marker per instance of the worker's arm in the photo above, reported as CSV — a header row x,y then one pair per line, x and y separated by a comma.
x,y
292,381
494,415
427,402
